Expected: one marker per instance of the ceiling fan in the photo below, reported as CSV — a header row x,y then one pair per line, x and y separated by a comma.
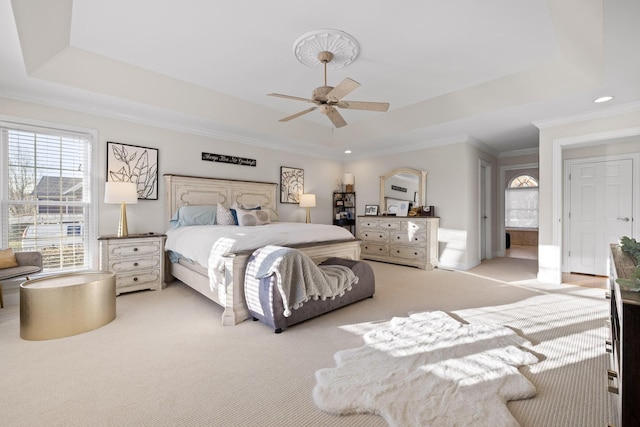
x,y
327,97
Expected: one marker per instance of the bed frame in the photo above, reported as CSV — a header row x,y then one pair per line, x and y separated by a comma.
x,y
188,190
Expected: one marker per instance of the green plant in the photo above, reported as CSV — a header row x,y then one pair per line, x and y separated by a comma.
x,y
632,247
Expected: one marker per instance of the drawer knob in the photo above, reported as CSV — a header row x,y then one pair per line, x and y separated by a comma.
x,y
135,279
135,264
607,295
612,374
135,249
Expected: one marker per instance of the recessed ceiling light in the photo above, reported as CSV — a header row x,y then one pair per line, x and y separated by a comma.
x,y
603,99
347,151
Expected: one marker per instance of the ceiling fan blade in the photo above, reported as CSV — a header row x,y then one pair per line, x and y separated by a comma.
x,y
295,98
343,89
363,105
293,116
333,115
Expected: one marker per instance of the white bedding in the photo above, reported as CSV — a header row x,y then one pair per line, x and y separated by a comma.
x,y
207,244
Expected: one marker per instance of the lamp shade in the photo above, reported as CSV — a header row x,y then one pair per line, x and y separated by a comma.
x,y
307,200
348,179
120,192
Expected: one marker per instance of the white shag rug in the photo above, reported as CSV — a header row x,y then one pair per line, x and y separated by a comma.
x,y
429,369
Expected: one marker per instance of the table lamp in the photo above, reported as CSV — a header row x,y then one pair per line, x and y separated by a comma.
x,y
308,201
123,193
348,182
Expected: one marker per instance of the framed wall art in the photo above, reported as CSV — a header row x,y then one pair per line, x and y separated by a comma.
x,y
371,210
132,163
291,184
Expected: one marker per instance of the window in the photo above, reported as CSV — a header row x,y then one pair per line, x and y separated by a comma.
x,y
521,202
46,194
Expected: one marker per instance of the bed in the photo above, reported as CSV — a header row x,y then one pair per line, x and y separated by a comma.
x,y
228,291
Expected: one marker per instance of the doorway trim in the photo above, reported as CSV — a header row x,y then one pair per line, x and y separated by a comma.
x,y
501,202
550,270
484,196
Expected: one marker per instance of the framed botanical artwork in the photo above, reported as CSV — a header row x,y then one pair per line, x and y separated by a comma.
x,y
132,163
291,184
371,210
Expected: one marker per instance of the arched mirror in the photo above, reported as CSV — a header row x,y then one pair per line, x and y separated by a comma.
x,y
402,188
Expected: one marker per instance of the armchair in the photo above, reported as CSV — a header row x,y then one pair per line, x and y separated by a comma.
x,y
28,263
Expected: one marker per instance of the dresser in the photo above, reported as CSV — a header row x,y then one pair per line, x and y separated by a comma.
x,y
137,261
623,344
409,241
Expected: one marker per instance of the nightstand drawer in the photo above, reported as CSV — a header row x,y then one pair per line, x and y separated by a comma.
x,y
133,249
137,279
126,265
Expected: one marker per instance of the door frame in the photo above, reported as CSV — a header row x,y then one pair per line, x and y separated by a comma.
x,y
566,201
550,265
502,186
484,196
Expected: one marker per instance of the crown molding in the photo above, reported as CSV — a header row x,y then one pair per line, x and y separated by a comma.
x,y
616,110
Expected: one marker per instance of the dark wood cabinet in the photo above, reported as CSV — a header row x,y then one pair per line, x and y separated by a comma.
x,y
344,210
623,346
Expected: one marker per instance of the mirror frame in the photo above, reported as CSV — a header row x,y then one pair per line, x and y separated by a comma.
x,y
422,184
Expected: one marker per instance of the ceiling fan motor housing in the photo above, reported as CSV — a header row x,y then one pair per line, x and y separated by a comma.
x,y
319,94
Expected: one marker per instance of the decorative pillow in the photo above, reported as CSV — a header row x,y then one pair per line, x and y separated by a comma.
x,y
235,206
224,216
273,215
7,259
252,217
194,215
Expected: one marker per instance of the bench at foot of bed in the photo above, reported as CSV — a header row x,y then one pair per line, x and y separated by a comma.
x,y
266,305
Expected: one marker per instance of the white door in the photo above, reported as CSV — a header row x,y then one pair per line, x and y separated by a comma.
x,y
600,212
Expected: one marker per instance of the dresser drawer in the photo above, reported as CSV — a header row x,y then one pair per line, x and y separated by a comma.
x,y
137,279
414,225
374,249
132,265
412,253
389,225
409,237
133,249
365,223
374,236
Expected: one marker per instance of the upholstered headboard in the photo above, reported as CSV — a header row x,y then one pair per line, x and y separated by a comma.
x,y
190,190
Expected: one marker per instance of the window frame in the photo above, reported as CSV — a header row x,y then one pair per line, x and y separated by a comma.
x,y
92,218
511,190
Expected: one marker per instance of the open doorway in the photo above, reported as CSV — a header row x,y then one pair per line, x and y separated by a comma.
x,y
521,213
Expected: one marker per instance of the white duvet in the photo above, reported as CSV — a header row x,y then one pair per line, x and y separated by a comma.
x,y
207,244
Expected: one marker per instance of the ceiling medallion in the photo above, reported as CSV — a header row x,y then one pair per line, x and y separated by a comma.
x,y
343,46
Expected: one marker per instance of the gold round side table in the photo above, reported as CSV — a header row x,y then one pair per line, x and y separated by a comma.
x,y
66,304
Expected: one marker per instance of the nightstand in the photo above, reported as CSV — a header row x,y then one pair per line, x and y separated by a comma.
x,y
137,261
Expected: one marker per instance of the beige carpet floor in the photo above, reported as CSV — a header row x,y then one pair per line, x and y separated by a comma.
x,y
166,360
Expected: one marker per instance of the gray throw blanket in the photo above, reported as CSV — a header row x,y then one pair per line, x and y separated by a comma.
x,y
299,279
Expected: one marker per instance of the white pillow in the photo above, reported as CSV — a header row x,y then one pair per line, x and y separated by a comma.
x,y
252,217
224,216
194,215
